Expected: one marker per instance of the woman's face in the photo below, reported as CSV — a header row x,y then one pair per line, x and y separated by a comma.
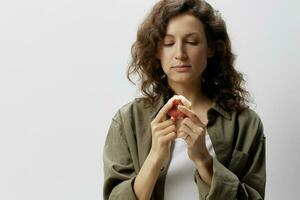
x,y
184,50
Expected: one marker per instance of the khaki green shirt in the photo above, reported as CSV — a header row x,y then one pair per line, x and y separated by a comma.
x,y
238,140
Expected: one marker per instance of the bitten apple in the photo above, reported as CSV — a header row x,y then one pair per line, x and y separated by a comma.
x,y
176,114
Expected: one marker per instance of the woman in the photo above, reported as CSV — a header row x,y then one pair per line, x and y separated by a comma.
x,y
218,149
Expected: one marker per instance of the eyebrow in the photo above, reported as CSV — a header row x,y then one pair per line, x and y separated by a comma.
x,y
186,35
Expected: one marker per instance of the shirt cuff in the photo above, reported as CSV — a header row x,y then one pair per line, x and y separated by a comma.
x,y
124,190
224,183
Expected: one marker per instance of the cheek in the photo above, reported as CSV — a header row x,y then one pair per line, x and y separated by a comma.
x,y
166,55
165,60
200,52
163,64
200,58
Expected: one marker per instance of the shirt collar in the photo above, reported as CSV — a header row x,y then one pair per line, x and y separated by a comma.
x,y
158,106
215,107
221,111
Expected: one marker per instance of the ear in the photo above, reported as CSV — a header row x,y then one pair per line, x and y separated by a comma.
x,y
210,52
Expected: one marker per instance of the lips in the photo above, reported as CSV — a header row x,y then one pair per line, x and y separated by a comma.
x,y
181,68
182,65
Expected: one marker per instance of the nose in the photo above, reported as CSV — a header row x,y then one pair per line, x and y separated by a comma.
x,y
180,53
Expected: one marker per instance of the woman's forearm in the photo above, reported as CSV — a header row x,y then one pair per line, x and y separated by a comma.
x,y
145,180
205,170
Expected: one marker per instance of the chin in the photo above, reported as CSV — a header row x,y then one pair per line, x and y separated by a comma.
x,y
181,80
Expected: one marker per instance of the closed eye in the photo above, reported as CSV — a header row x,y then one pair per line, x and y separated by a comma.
x,y
168,44
193,43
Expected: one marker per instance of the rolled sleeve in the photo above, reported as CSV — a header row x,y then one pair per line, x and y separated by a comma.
x,y
123,190
119,173
225,183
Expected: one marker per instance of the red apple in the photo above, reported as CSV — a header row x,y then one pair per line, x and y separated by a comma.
x,y
174,112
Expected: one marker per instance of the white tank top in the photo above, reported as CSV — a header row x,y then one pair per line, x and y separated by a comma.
x,y
180,182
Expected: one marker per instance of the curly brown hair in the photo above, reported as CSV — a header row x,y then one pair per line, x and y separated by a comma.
x,y
220,81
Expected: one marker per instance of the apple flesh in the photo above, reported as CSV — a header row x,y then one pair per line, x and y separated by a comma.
x,y
174,112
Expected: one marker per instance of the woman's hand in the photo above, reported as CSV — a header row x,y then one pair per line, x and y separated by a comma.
x,y
195,132
163,132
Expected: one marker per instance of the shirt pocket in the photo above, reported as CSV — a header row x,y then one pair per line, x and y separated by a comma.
x,y
238,161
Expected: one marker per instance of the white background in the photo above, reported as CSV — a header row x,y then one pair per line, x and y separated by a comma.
x,y
62,78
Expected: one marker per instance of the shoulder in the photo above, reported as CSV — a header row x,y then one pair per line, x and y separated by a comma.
x,y
135,109
249,116
249,123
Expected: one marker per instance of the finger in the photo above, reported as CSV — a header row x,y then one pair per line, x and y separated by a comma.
x,y
167,138
165,124
167,130
186,131
195,128
182,135
163,111
186,137
184,128
188,140
159,126
191,114
188,122
187,112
